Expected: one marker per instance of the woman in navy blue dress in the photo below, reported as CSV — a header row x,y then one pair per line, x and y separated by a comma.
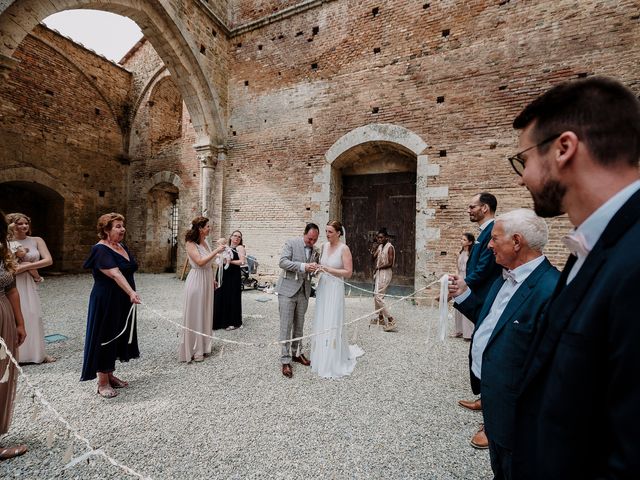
x,y
109,305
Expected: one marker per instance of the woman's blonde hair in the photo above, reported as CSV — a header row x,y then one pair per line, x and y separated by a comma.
x,y
12,218
105,224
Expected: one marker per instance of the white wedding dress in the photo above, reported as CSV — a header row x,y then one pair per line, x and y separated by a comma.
x,y
331,355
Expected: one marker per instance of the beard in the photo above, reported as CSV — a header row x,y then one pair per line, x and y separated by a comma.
x,y
548,201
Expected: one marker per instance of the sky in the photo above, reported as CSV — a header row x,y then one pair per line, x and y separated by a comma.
x,y
106,33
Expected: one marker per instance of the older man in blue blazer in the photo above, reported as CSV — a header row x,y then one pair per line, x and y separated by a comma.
x,y
577,412
506,322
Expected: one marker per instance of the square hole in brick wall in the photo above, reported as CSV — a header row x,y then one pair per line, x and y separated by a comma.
x,y
259,47
446,32
376,50
443,153
425,6
101,193
315,30
246,83
314,66
375,109
298,34
375,11
214,33
202,49
440,99
310,121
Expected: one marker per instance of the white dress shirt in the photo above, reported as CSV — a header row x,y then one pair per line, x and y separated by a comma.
x,y
514,278
592,228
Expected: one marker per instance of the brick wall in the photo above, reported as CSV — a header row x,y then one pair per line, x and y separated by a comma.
x,y
486,59
59,132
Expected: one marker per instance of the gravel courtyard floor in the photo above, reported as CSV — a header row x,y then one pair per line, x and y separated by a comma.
x,y
235,416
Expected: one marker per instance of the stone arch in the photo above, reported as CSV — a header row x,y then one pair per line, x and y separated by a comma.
x,y
160,222
162,27
50,204
355,146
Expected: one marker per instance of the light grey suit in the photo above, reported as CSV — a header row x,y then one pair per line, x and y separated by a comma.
x,y
294,287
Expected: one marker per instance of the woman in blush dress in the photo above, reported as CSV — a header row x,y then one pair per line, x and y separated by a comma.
x,y
227,307
331,355
13,334
111,332
464,326
37,256
198,292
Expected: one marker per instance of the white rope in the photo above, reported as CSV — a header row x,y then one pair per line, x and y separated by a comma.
x,y
90,450
281,342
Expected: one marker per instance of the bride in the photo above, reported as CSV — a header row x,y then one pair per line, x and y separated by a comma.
x,y
331,356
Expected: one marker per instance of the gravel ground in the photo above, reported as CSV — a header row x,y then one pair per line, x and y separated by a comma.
x,y
235,416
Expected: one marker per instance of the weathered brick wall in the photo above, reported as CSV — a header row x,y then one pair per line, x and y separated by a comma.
x,y
164,168
59,128
245,11
389,62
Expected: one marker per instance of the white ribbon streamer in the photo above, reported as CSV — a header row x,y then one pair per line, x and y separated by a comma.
x,y
443,319
132,315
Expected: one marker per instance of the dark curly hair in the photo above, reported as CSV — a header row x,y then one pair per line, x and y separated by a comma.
x,y
193,234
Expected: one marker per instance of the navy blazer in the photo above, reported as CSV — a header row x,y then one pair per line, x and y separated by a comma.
x,y
482,268
578,408
506,351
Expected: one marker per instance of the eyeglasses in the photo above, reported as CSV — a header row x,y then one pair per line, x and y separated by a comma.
x,y
517,162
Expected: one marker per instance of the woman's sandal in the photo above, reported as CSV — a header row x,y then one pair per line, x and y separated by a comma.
x,y
115,382
106,391
11,452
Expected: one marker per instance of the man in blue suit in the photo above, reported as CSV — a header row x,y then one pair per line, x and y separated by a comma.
x,y
577,411
506,323
482,271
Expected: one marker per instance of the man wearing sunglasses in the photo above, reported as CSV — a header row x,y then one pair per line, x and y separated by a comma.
x,y
577,410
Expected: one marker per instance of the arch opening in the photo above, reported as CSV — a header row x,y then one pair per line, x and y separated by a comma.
x,y
44,206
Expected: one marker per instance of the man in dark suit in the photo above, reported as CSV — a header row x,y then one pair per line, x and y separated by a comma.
x,y
482,271
506,323
577,411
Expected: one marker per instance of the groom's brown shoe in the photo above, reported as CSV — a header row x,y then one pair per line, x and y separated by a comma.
x,y
302,359
287,371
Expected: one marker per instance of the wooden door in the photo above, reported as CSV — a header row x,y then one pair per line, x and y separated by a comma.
x,y
370,202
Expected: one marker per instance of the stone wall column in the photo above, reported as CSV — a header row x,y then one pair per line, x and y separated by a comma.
x,y
207,162
217,194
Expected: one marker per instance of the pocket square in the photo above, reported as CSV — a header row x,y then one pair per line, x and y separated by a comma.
x,y
516,321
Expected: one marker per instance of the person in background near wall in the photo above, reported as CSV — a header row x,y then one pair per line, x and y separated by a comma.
x,y
384,256
227,306
111,333
198,292
13,333
38,256
463,326
482,269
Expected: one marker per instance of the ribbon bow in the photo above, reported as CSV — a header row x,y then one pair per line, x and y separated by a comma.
x,y
576,244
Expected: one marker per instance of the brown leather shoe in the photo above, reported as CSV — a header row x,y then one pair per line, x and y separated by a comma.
x,y
480,440
302,359
476,405
287,371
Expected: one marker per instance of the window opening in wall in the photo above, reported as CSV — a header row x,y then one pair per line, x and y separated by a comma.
x,y
174,235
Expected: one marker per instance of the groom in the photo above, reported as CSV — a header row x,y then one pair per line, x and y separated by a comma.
x,y
298,261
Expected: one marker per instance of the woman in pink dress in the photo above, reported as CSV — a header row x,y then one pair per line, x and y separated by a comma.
x,y
13,333
198,292
37,256
464,326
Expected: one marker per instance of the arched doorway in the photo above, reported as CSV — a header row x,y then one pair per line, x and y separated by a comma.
x,y
376,176
44,206
162,228
379,190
